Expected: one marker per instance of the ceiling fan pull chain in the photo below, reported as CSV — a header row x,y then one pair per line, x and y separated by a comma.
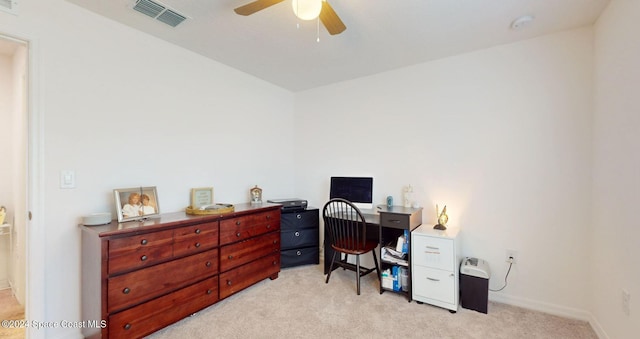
x,y
318,29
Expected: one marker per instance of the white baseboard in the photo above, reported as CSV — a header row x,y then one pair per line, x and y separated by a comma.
x,y
4,284
558,310
598,328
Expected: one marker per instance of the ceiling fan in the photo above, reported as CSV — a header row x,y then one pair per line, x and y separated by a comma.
x,y
320,8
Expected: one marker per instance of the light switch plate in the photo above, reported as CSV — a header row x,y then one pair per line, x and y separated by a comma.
x,y
67,179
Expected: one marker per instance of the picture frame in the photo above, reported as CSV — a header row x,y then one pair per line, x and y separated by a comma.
x,y
136,203
201,196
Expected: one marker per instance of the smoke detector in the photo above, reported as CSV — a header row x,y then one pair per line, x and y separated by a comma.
x,y
522,21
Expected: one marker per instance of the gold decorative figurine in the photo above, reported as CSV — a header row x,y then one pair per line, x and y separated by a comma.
x,y
442,218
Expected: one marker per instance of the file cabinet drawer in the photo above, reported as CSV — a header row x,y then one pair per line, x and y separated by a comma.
x,y
433,252
433,284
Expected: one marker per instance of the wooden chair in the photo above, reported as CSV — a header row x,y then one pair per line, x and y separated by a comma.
x,y
347,234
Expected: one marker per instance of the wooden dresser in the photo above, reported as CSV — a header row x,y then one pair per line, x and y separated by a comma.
x,y
141,276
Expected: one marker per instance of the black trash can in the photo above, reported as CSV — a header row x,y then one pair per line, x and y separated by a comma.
x,y
474,284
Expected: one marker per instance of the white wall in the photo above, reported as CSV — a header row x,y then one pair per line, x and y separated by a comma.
x,y
124,109
616,188
502,136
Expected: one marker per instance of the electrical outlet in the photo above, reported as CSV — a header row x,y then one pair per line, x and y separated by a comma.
x,y
626,300
511,256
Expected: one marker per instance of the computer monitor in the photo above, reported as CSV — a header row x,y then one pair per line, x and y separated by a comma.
x,y
358,190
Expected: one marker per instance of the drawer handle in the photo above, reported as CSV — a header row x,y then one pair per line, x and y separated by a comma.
x,y
143,242
433,279
238,222
143,258
431,252
209,291
297,234
268,216
299,216
238,234
126,290
298,253
229,282
433,248
268,226
127,326
275,263
275,242
197,245
208,264
394,221
230,257
197,231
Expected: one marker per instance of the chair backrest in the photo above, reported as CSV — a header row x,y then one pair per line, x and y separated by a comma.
x,y
345,224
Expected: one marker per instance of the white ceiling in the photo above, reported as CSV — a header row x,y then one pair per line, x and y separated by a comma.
x,y
381,35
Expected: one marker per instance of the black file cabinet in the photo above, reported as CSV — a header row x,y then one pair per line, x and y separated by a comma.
x,y
299,238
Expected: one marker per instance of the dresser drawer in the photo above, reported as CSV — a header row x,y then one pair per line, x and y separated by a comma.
x,y
298,220
243,252
249,274
433,252
197,238
241,228
135,287
299,238
122,246
433,284
148,317
140,257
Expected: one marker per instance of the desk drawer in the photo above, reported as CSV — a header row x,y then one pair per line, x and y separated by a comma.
x,y
394,220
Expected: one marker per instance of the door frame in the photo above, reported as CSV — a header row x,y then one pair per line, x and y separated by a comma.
x,y
34,228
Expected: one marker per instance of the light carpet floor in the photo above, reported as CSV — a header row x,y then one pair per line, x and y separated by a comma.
x,y
300,305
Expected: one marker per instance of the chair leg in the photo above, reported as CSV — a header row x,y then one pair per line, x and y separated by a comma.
x,y
358,272
375,260
333,259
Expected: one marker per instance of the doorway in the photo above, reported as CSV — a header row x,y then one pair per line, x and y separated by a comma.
x,y
14,132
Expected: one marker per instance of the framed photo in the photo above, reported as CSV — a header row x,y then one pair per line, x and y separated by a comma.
x,y
136,203
202,196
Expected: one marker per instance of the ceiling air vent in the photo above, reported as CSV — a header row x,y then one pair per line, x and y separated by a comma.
x,y
10,6
158,11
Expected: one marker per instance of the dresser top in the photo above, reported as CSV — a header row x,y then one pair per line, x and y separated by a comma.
x,y
175,219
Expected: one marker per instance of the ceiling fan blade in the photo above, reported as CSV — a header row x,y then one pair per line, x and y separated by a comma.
x,y
330,19
255,6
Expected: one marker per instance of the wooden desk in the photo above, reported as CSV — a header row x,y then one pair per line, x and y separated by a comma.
x,y
385,226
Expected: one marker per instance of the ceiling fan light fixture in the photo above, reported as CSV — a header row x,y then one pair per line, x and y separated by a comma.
x,y
306,9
